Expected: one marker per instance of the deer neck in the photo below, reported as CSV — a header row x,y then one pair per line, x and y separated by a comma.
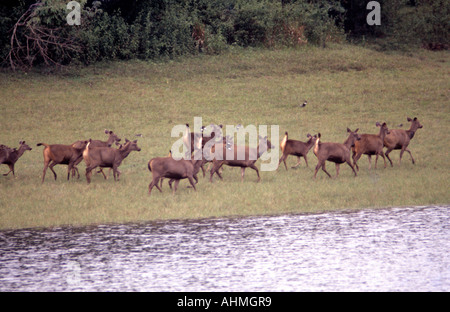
x,y
110,140
261,149
125,151
349,142
382,134
309,144
412,130
17,154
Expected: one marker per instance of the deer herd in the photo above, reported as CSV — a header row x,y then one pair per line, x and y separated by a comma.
x,y
102,154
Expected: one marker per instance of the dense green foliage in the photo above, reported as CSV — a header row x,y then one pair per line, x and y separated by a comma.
x,y
118,29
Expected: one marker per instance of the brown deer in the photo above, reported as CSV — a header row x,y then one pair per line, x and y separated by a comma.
x,y
251,155
167,167
59,154
399,139
107,157
9,156
191,138
296,148
370,144
112,138
335,152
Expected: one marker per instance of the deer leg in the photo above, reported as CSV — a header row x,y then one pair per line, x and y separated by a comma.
x,y
115,174
351,166
70,169
89,174
215,167
283,158
356,157
45,169
337,169
298,162
191,180
203,170
370,162
325,170
51,168
384,158
242,173
257,171
170,182
11,168
75,169
101,171
412,158
175,186
152,184
401,154
387,156
319,164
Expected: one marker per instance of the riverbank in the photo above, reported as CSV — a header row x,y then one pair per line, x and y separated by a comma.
x,y
345,86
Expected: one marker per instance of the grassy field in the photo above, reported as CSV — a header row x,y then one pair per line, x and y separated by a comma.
x,y
346,86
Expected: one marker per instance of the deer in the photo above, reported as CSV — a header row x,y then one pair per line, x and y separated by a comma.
x,y
370,144
175,170
335,152
251,155
296,148
400,139
59,154
107,157
9,156
112,139
191,138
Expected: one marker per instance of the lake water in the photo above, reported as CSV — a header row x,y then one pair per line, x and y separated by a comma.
x,y
395,249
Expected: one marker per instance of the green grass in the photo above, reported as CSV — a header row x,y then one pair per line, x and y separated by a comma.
x,y
346,86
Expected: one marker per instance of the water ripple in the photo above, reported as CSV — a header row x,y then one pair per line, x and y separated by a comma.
x,y
397,249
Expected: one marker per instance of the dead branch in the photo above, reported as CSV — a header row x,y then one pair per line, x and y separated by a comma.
x,y
30,40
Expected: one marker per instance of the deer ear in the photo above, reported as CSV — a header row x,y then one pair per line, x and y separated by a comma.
x,y
409,119
377,124
356,129
415,118
308,135
348,130
319,135
135,141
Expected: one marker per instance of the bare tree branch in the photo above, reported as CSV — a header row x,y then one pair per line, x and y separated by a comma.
x,y
31,40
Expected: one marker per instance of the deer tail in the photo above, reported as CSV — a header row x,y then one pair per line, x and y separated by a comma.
x,y
150,165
